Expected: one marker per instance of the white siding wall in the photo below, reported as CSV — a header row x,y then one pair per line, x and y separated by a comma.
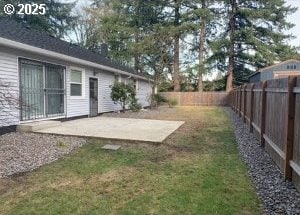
x,y
74,106
144,91
9,74
106,80
78,106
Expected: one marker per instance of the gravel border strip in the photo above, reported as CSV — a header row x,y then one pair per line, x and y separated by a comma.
x,y
24,152
277,195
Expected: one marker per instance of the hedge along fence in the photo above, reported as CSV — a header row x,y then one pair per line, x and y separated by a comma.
x,y
198,98
272,111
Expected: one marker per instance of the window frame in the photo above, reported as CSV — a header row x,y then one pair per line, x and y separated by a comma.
x,y
291,67
82,96
136,84
117,78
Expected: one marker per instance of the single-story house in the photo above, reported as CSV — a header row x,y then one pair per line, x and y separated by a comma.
x,y
55,79
281,70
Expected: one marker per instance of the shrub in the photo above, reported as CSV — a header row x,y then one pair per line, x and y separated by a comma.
x,y
134,105
122,94
159,99
172,102
61,144
156,99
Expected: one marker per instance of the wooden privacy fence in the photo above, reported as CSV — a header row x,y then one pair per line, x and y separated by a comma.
x,y
272,111
198,98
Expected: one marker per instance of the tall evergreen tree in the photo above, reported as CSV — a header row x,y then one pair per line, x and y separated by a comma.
x,y
123,25
250,34
254,37
138,33
57,20
201,17
176,65
202,40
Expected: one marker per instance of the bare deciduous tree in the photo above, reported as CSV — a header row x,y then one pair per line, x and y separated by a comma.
x,y
9,102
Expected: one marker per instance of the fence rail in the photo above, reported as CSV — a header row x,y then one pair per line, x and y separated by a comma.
x,y
271,109
198,98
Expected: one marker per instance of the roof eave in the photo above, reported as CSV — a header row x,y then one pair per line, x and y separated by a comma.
x,y
253,74
55,55
278,64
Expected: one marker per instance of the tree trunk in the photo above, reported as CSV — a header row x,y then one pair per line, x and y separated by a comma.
x,y
176,48
137,63
232,23
155,85
123,107
201,51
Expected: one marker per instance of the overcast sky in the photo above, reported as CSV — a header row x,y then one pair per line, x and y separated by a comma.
x,y
295,18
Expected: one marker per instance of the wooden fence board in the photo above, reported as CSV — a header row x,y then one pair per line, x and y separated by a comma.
x,y
198,99
257,108
289,139
275,127
273,110
296,145
248,102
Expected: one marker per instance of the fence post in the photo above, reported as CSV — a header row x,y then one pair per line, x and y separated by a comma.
x,y
231,99
237,100
234,99
251,107
240,101
289,141
263,113
235,96
235,103
245,101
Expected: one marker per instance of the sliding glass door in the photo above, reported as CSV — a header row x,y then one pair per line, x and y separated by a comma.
x,y
42,90
55,90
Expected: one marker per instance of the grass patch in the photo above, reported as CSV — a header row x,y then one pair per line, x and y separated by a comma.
x,y
61,144
196,171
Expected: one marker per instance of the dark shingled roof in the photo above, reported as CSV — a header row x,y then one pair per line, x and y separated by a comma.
x,y
12,30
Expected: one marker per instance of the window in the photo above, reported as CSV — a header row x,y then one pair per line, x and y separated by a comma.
x,y
291,67
42,89
136,85
76,83
117,78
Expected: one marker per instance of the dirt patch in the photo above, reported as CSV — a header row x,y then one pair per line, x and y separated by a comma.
x,y
162,112
107,177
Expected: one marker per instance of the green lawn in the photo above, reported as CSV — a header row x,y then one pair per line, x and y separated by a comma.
x,y
196,171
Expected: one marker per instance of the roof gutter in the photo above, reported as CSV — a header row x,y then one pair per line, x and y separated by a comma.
x,y
253,74
25,47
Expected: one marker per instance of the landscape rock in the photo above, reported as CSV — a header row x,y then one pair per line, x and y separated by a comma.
x,y
276,195
23,152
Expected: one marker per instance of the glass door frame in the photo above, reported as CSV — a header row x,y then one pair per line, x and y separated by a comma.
x,y
45,114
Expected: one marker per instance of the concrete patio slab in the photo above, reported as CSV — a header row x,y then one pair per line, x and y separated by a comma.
x,y
117,128
35,126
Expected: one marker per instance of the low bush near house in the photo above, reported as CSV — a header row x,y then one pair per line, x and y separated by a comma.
x,y
159,99
172,102
156,100
134,105
122,94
